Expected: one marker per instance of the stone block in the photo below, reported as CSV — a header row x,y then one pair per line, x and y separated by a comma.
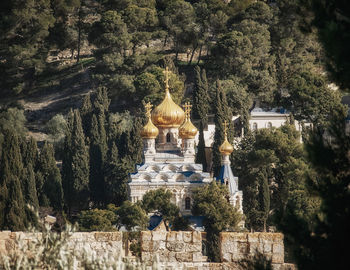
x,y
171,256
187,236
196,237
231,247
4,235
184,257
253,237
159,236
253,247
198,257
243,248
147,257
150,246
2,246
163,255
193,247
237,236
146,236
277,258
226,257
278,248
171,236
175,246
108,236
267,247
10,244
179,236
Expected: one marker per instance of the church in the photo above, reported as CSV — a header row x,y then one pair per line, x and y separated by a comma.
x,y
169,157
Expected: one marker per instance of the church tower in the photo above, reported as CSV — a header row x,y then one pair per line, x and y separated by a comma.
x,y
168,154
226,175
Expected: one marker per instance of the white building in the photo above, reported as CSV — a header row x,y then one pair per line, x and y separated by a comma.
x,y
169,158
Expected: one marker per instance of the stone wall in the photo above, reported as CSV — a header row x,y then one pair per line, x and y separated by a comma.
x,y
99,242
236,246
172,250
171,246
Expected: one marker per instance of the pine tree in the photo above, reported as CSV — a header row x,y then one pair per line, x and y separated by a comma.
x,y
264,196
222,113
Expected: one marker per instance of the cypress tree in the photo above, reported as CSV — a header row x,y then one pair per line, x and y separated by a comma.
x,y
31,196
264,196
12,203
75,165
200,111
98,147
115,178
222,113
86,113
52,192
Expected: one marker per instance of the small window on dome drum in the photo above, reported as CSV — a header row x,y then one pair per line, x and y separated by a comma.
x,y
188,203
168,137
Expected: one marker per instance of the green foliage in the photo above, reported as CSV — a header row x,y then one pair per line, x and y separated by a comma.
x,y
75,164
222,113
159,201
256,262
219,215
132,216
51,193
273,172
13,119
98,219
25,25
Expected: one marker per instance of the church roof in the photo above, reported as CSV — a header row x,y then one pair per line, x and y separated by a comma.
x,y
226,173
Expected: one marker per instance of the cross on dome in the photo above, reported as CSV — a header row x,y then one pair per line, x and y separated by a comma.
x,y
166,72
225,127
148,107
187,108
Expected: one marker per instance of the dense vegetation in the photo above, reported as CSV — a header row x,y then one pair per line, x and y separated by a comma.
x,y
236,56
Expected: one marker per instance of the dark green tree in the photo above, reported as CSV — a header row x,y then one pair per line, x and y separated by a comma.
x,y
103,220
86,114
52,192
222,113
159,201
132,216
200,111
24,29
30,193
211,202
75,164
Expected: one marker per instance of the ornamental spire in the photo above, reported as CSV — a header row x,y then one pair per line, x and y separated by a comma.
x,y
187,108
166,72
148,107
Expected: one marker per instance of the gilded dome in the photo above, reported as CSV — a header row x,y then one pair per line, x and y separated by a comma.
x,y
187,130
149,131
168,114
226,148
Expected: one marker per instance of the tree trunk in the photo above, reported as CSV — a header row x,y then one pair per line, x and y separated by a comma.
x,y
72,57
165,40
200,54
79,35
194,50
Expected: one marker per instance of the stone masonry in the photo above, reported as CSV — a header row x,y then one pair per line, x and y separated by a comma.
x,y
172,250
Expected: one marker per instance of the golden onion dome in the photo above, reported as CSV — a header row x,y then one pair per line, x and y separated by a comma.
x,y
226,148
187,130
149,131
168,114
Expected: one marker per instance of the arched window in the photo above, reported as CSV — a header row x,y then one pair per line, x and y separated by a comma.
x,y
188,203
255,126
168,137
269,125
